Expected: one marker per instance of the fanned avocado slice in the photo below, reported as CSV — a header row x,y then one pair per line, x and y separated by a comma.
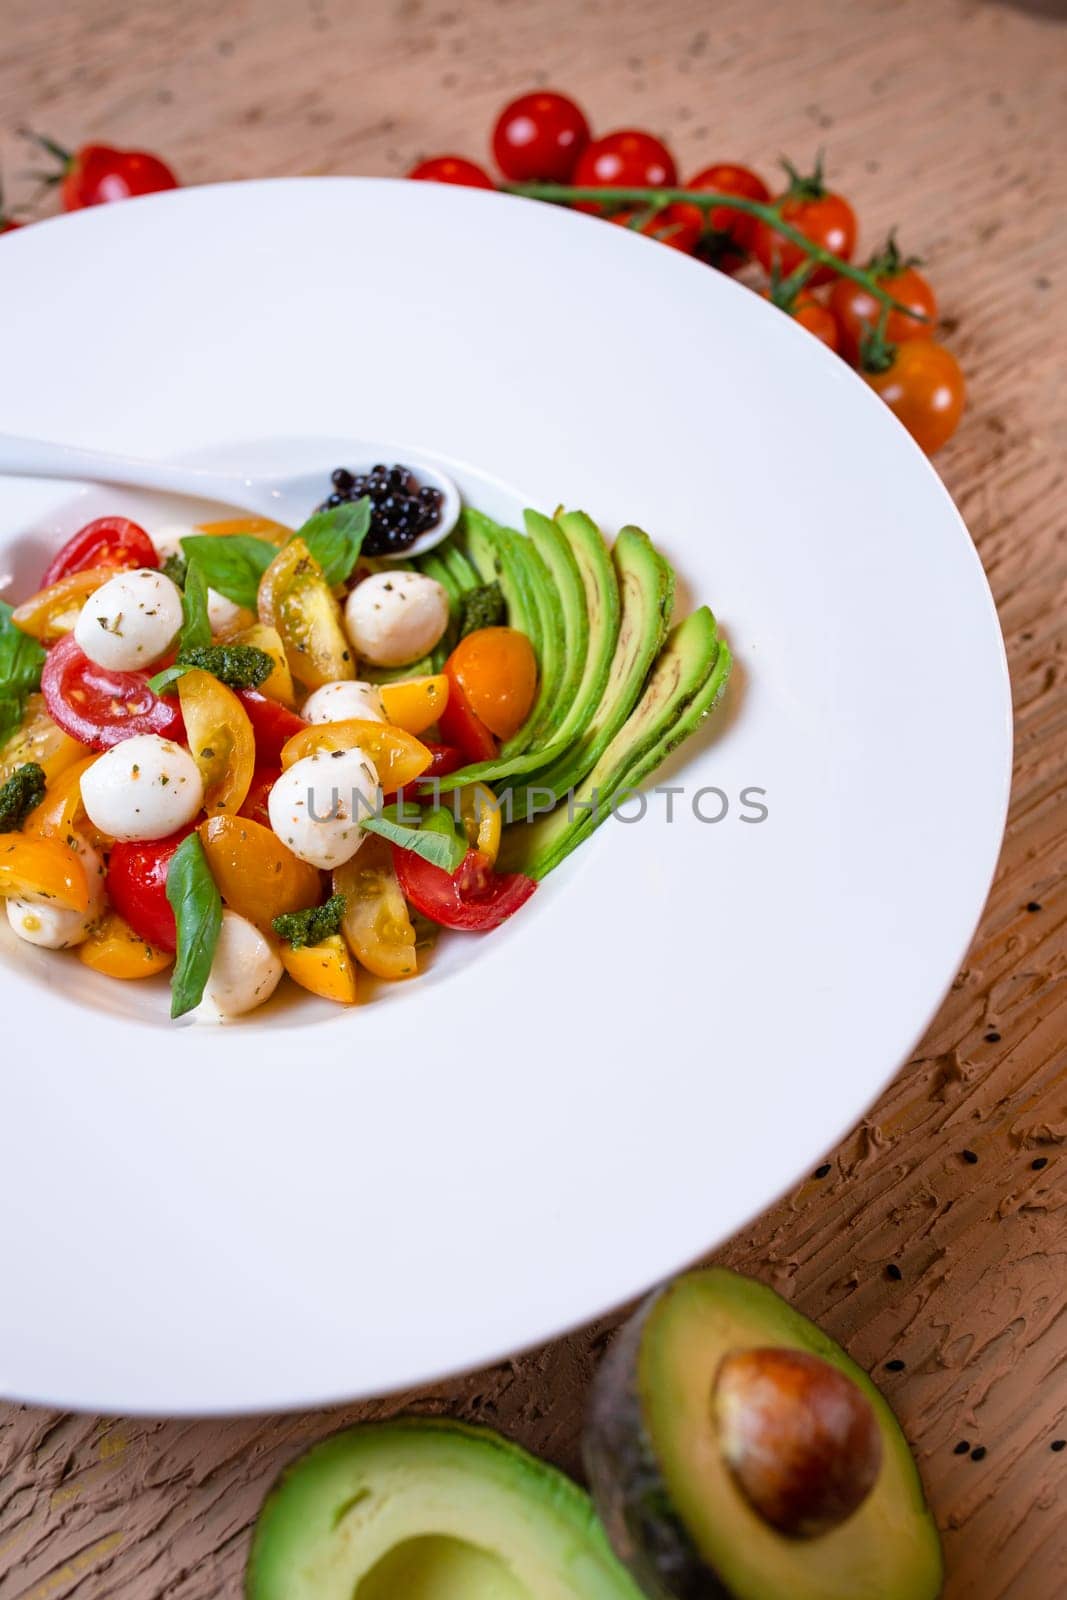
x,y
546,601
646,587
492,550
687,680
426,1509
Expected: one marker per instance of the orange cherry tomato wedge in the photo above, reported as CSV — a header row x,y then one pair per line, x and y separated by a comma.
x,y
325,969
398,757
376,922
42,869
39,739
61,811
114,950
295,598
257,876
497,670
256,527
415,704
220,740
279,686
52,612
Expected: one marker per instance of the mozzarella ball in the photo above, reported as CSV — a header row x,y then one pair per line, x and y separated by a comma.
x,y
315,807
44,923
393,618
245,969
226,616
130,621
337,702
168,539
143,788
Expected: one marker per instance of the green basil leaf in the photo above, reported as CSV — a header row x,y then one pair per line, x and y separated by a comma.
x,y
21,658
197,907
232,564
440,849
11,709
162,681
335,538
196,628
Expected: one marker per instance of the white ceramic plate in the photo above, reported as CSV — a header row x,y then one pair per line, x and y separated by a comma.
x,y
320,1204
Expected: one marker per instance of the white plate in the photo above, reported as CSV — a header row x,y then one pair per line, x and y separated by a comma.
x,y
319,1204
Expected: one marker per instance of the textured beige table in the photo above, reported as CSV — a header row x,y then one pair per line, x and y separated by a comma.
x,y
949,117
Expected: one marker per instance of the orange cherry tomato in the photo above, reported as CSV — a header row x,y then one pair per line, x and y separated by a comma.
x,y
398,757
255,527
39,739
497,670
257,876
42,869
220,739
61,811
324,969
295,598
415,704
114,950
52,612
924,388
376,922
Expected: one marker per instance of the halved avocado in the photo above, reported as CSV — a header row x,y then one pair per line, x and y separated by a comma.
x,y
423,1509
686,1512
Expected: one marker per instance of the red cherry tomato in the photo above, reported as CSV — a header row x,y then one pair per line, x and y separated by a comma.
x,y
137,886
107,542
8,224
460,727
98,173
729,234
923,386
679,226
857,310
446,759
628,159
824,218
255,802
475,898
539,137
273,725
101,708
452,169
813,315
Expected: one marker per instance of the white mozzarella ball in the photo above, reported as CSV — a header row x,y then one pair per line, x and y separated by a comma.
x,y
168,538
315,807
130,621
143,788
226,616
245,969
337,702
56,928
393,618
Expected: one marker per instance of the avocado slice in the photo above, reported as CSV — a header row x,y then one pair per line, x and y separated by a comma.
x,y
689,676
672,1505
548,605
494,553
426,1509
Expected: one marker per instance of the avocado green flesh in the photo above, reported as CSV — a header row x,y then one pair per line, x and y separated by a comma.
x,y
546,601
887,1550
429,1510
493,553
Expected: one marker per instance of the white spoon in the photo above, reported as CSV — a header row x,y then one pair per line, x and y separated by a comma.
x,y
288,500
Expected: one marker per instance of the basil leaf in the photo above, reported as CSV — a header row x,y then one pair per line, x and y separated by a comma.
x,y
197,907
440,849
11,711
232,564
21,660
161,682
196,627
335,538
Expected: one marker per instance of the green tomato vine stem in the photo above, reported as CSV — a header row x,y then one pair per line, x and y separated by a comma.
x,y
705,200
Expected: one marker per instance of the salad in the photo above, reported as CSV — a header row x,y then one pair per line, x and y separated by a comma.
x,y
235,752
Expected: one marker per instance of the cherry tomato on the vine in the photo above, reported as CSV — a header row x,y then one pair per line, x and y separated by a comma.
x,y
539,137
96,174
452,169
628,159
810,312
923,386
678,225
105,542
729,236
824,218
858,310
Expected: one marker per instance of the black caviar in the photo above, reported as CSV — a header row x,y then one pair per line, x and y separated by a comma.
x,y
401,507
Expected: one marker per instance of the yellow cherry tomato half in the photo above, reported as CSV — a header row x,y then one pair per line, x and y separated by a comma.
x,y
256,875
295,598
39,739
62,812
415,704
52,612
42,869
325,969
114,950
220,739
497,670
478,810
279,686
377,923
398,757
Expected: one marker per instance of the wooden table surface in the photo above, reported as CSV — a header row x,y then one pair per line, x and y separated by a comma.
x,y
949,118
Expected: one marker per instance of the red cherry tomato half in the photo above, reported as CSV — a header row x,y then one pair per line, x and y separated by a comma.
x,y
474,899
272,724
730,233
255,802
460,727
97,174
446,759
107,542
539,137
679,226
137,886
624,160
101,708
452,169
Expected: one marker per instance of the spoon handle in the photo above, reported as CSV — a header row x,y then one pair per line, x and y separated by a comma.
x,y
41,458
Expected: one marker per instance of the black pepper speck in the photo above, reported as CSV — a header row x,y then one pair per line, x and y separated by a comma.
x,y
823,1171
895,1365
970,1158
978,1453
894,1272
963,1448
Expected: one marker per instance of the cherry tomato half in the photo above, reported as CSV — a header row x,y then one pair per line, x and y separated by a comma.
x,y
497,671
452,169
273,725
101,708
729,236
106,542
924,388
857,310
679,226
475,898
462,729
823,217
627,159
97,174
539,137
255,802
137,887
